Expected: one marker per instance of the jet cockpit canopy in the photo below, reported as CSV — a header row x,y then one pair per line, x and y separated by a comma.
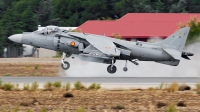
x,y
49,30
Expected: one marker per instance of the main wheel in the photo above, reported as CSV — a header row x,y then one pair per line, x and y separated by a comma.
x,y
125,69
111,69
66,66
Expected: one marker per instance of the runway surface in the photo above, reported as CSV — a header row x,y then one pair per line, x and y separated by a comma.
x,y
107,82
115,80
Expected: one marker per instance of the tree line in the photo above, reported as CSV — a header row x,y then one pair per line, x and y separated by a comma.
x,y
17,16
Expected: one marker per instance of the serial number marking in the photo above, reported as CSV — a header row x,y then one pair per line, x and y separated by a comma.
x,y
170,46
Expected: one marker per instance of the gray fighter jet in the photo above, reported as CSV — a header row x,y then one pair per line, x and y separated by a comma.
x,y
102,49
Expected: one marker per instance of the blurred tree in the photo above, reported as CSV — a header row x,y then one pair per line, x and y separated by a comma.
x,y
44,13
9,25
179,7
194,33
29,20
192,6
127,6
159,6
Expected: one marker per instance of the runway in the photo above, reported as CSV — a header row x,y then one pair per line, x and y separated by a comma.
x,y
107,82
115,80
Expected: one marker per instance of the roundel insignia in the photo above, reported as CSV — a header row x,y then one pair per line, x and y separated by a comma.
x,y
72,44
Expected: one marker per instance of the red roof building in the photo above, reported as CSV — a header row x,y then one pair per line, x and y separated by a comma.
x,y
138,25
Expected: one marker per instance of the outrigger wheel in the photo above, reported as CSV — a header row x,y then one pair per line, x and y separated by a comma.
x,y
125,69
65,66
111,69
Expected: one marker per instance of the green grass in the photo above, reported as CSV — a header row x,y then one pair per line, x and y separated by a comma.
x,y
43,109
81,109
7,75
161,85
29,110
34,86
67,86
198,92
20,75
26,86
57,84
171,108
197,86
16,109
48,85
118,107
151,89
7,86
94,86
173,87
36,67
1,82
27,66
79,86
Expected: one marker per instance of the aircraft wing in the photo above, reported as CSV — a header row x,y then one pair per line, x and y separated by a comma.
x,y
104,45
173,53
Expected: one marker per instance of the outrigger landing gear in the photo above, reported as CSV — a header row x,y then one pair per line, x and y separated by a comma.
x,y
125,68
65,65
133,61
112,68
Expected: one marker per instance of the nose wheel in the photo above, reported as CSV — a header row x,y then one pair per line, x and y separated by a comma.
x,y
65,65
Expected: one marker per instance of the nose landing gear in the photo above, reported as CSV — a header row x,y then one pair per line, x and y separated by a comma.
x,y
65,65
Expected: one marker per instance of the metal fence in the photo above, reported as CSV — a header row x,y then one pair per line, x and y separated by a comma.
x,y
12,52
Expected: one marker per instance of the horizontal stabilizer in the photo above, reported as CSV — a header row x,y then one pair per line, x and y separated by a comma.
x,y
185,57
173,53
186,54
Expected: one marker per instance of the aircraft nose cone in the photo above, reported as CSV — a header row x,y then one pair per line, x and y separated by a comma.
x,y
16,38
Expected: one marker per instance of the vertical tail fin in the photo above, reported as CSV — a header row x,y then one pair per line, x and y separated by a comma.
x,y
176,40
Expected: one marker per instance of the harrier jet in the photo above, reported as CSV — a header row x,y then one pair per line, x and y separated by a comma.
x,y
103,49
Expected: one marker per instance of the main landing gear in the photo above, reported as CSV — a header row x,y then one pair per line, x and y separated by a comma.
x,y
112,68
65,65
